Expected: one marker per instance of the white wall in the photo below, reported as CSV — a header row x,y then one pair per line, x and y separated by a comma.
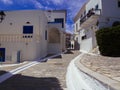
x,y
54,48
89,43
55,14
92,3
86,45
110,8
18,20
78,25
77,32
110,13
13,24
43,27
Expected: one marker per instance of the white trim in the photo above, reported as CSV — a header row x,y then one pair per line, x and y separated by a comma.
x,y
83,51
79,77
10,65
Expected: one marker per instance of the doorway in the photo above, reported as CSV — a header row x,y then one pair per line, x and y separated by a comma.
x,y
2,54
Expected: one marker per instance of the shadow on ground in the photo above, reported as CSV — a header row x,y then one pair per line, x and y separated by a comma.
x,y
60,56
2,72
69,51
54,57
21,82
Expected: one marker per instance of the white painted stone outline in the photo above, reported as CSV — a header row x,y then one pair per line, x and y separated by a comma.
x,y
91,79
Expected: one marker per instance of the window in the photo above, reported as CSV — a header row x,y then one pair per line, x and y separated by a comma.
x,y
27,29
46,35
118,3
2,54
76,26
81,16
84,13
84,37
96,7
60,20
77,39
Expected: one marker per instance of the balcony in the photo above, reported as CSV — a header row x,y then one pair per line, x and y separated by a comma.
x,y
18,37
90,18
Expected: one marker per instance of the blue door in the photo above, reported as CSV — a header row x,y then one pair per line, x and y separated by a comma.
x,y
2,54
18,57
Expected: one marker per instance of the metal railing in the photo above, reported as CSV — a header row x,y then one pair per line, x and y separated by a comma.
x,y
89,14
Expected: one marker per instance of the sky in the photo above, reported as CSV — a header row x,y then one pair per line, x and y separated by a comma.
x,y
72,7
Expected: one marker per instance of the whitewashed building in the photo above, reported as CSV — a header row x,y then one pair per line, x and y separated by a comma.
x,y
94,14
31,34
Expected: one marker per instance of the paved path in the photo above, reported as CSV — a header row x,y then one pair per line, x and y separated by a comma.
x,y
48,75
108,66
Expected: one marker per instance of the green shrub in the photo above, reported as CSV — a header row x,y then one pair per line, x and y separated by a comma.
x,y
108,40
116,23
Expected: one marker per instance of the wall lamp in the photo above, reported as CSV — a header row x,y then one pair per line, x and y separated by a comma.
x,y
2,16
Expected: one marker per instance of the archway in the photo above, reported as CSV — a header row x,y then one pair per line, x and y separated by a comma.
x,y
54,35
54,41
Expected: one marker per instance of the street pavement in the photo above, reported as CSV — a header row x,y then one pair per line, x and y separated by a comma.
x,y
50,75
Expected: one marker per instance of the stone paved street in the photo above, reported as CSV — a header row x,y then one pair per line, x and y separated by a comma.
x,y
48,75
9,68
108,66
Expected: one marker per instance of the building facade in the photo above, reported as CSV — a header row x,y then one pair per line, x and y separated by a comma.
x,y
94,15
31,34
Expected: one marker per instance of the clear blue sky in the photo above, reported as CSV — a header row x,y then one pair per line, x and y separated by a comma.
x,y
72,7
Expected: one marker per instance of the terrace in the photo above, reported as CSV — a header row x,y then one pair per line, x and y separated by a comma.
x,y
90,18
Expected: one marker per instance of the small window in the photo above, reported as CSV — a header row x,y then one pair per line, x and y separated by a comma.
x,y
27,29
118,3
76,26
81,16
84,12
77,39
96,7
46,35
84,37
60,20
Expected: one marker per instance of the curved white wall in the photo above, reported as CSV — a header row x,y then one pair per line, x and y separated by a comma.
x,y
78,80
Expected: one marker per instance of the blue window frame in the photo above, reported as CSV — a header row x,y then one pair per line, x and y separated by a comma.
x,y
27,29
